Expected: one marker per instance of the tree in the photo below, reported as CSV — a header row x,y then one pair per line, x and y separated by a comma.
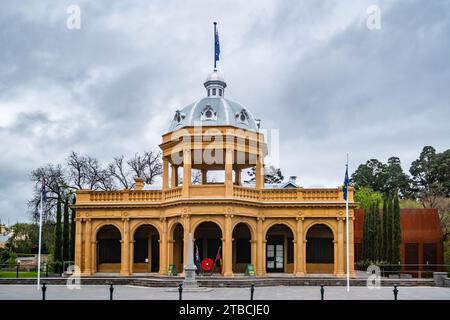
x,y
365,196
271,175
396,232
72,231
65,235
371,175
425,182
58,245
387,220
395,178
380,177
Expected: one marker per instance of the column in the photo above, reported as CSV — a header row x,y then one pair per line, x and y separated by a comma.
x,y
259,173
125,257
229,173
335,250
187,166
254,247
174,176
228,242
341,247
299,257
204,176
131,256
186,230
351,248
163,249
78,242
165,180
87,248
260,249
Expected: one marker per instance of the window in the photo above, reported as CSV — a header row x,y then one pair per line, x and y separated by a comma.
x,y
242,117
214,92
208,113
209,92
179,116
220,92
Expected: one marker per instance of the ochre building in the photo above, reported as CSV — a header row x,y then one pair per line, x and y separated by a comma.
x,y
281,228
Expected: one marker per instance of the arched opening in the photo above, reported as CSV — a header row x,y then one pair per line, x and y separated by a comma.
x,y
242,248
208,237
280,249
178,248
108,249
319,249
146,249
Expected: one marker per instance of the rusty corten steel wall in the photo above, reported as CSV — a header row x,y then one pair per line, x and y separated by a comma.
x,y
421,226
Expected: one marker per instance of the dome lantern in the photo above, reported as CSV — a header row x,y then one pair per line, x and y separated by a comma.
x,y
215,84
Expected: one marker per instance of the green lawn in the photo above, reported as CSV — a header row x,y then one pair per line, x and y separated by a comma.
x,y
22,274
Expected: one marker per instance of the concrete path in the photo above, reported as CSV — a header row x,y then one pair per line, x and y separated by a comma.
x,y
96,292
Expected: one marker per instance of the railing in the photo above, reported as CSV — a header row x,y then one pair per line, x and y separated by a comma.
x,y
279,195
213,191
173,194
106,196
145,195
246,193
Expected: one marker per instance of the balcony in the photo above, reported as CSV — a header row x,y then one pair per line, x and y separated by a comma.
x,y
212,191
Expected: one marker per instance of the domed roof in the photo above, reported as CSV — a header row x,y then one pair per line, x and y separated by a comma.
x,y
214,110
215,76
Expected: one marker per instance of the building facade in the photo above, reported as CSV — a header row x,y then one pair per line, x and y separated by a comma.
x,y
281,228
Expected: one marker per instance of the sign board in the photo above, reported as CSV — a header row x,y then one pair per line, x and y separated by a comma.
x,y
250,271
172,270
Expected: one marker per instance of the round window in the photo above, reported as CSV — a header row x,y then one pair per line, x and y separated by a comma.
x,y
242,117
208,113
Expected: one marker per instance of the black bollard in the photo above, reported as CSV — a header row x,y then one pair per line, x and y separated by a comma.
x,y
322,292
180,291
44,288
17,270
252,290
395,292
111,290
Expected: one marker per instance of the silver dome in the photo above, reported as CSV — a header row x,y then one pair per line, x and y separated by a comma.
x,y
214,111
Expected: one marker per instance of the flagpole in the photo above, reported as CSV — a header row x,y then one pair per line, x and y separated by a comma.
x,y
346,235
40,240
215,32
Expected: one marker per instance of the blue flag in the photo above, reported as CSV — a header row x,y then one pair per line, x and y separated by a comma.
x,y
216,46
346,183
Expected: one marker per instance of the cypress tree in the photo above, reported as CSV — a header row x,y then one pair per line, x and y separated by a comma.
x,y
385,228
72,231
65,247
57,249
377,233
396,232
371,233
388,243
366,234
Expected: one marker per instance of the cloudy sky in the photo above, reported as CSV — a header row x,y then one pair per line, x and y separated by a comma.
x,y
311,69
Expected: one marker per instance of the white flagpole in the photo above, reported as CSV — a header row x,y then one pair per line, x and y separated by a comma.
x,y
346,235
40,240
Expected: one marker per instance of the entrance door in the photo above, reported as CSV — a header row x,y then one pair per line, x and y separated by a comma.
x,y
275,254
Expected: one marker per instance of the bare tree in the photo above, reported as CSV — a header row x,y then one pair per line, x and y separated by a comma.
x,y
118,171
138,164
55,185
153,166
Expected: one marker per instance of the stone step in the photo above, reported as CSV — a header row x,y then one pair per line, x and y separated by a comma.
x,y
220,281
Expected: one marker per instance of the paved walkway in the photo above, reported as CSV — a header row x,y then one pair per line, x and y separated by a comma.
x,y
97,292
